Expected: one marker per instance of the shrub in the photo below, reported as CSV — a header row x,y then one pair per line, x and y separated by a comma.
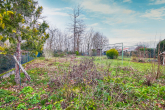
x,y
141,60
112,53
59,54
70,52
56,55
77,53
162,46
133,58
86,72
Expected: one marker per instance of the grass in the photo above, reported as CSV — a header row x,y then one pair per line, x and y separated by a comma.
x,y
86,84
125,63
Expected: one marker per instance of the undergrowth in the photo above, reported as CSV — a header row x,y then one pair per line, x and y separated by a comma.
x,y
86,85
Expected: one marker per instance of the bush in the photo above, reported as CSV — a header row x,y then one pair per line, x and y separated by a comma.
x,y
112,53
162,46
77,53
70,52
133,58
86,72
141,60
59,54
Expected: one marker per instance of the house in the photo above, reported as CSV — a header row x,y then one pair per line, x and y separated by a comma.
x,y
99,51
162,55
93,52
124,49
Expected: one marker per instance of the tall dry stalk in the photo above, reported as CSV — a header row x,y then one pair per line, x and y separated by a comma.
x,y
159,63
48,53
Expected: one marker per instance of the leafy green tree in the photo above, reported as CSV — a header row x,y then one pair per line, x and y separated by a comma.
x,y
19,22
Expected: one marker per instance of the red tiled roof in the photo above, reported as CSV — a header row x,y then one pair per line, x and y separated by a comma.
x,y
124,49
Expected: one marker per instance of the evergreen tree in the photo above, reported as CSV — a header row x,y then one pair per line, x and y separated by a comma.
x,y
162,46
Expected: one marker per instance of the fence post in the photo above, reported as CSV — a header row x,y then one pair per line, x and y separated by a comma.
x,y
19,69
67,51
122,53
144,51
88,49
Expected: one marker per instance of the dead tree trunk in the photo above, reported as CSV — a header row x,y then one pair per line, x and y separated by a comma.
x,y
23,70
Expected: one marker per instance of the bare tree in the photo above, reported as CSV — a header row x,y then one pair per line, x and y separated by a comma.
x,y
52,33
76,26
80,32
88,39
142,44
99,41
60,40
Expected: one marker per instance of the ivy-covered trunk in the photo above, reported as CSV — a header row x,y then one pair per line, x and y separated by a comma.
x,y
18,56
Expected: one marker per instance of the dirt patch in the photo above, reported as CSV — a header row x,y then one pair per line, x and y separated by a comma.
x,y
50,63
35,65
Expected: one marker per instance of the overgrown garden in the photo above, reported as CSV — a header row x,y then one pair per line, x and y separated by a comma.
x,y
62,78
85,83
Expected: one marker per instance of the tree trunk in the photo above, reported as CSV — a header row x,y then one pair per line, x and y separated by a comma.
x,y
26,74
18,56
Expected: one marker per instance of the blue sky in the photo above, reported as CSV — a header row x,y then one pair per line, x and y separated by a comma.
x,y
127,21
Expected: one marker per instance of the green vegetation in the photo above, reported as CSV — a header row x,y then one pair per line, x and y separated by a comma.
x,y
91,84
162,46
112,53
16,25
77,53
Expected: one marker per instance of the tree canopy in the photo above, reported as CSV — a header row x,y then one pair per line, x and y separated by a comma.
x,y
18,24
18,18
162,46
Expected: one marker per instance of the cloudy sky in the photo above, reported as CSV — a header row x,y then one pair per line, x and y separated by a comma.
x,y
127,21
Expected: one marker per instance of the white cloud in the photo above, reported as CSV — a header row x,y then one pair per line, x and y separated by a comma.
x,y
128,11
54,11
68,8
56,17
131,37
93,25
83,17
157,2
155,13
118,19
96,6
129,1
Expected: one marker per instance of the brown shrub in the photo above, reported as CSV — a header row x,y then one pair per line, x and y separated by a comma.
x,y
85,72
